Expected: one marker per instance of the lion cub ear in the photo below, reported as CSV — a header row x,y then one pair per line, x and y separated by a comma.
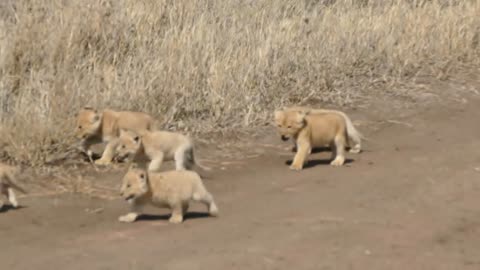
x,y
143,176
278,114
301,116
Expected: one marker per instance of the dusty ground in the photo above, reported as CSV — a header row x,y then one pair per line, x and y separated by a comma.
x,y
410,201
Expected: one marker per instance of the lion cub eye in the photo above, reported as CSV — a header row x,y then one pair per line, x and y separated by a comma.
x,y
128,185
123,146
289,127
79,127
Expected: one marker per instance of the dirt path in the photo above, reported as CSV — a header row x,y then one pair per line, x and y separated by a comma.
x,y
410,201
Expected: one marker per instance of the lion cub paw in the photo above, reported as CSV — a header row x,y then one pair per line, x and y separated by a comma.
x,y
296,167
176,219
337,162
213,211
355,150
128,218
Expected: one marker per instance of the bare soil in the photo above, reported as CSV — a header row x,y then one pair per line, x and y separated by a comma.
x,y
409,201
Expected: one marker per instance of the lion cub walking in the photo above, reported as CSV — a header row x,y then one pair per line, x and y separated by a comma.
x,y
172,189
354,137
312,129
8,184
94,127
156,147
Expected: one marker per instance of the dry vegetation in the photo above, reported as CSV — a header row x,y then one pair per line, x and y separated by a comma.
x,y
211,64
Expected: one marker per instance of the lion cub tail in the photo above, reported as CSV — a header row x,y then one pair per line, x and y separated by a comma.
x,y
354,136
191,162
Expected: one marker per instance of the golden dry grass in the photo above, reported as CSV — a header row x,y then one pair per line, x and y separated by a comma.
x,y
210,64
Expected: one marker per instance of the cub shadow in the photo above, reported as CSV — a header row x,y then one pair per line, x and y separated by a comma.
x,y
8,207
314,162
320,149
188,215
314,150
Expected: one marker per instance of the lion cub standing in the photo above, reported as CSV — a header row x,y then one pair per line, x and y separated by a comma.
x,y
311,130
354,137
7,184
156,147
94,127
172,189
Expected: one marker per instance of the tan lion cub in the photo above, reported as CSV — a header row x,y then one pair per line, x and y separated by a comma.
x,y
354,137
156,147
8,184
311,130
94,127
172,189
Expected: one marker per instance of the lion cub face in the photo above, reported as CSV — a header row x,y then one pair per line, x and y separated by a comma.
x,y
129,144
88,123
135,184
289,123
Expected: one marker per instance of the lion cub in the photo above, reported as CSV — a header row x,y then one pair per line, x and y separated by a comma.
x,y
311,130
354,137
171,189
156,147
8,184
94,127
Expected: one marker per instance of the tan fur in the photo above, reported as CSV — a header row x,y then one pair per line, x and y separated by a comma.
x,y
172,189
311,130
94,127
8,183
354,137
158,146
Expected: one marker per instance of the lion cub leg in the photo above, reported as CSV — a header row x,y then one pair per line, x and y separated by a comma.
x,y
156,162
177,212
108,154
304,149
338,151
12,198
182,156
203,196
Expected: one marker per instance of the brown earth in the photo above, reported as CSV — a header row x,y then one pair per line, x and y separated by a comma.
x,y
409,201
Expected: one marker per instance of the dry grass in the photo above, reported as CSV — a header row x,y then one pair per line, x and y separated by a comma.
x,y
211,64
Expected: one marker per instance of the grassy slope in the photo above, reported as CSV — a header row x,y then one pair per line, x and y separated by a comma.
x,y
211,64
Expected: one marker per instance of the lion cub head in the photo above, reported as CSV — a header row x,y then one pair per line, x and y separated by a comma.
x,y
130,143
88,123
290,122
135,184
